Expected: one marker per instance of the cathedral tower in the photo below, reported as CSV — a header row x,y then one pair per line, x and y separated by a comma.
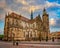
x,y
45,19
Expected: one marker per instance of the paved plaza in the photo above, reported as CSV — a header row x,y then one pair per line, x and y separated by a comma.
x,y
30,44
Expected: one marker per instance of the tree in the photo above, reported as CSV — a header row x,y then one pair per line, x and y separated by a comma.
x,y
1,37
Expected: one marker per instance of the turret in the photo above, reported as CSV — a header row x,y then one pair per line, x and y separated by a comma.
x,y
44,12
31,15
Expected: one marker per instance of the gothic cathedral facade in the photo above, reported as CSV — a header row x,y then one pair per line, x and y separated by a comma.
x,y
18,27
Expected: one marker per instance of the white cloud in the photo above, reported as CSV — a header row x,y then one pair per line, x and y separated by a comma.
x,y
25,2
8,10
29,8
52,13
1,31
27,5
2,3
21,1
2,11
50,4
52,21
2,17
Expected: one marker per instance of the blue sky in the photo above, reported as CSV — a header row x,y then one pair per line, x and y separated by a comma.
x,y
24,8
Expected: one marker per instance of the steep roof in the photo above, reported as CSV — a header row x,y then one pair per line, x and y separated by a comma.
x,y
19,16
23,18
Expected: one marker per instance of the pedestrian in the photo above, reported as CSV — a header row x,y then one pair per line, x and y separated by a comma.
x,y
53,39
17,43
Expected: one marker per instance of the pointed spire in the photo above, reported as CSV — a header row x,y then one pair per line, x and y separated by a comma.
x,y
39,15
44,11
7,13
31,14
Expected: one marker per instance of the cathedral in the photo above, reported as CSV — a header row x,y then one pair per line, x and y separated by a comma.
x,y
20,28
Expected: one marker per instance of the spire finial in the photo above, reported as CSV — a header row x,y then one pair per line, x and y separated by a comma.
x,y
44,11
39,15
31,14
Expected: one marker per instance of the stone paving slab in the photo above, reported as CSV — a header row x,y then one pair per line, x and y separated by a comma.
x,y
24,45
28,46
10,45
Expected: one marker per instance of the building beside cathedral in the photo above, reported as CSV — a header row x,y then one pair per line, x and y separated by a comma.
x,y
18,27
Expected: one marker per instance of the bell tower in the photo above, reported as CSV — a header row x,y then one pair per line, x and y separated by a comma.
x,y
45,19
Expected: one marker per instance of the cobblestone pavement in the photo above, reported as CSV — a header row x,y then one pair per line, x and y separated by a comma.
x,y
10,45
